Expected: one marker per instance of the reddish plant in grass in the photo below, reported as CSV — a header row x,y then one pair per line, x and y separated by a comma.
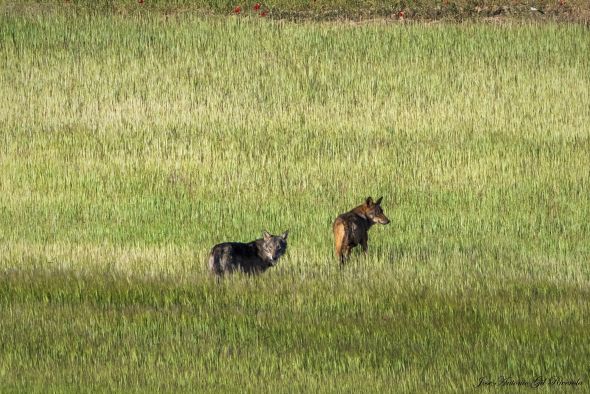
x,y
257,7
140,1
400,14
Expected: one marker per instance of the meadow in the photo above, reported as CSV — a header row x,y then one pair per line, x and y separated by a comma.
x,y
131,143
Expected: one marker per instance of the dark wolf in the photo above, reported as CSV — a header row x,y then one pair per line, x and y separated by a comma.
x,y
252,258
351,228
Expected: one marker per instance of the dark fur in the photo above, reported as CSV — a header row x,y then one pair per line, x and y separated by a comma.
x,y
351,228
252,258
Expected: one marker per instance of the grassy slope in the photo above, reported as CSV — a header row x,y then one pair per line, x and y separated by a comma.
x,y
128,146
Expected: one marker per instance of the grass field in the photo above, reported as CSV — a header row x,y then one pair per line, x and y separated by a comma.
x,y
131,144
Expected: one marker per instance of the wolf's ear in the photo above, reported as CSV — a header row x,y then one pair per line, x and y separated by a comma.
x,y
266,235
369,201
285,234
379,201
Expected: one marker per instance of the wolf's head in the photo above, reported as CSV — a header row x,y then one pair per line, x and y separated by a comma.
x,y
274,246
373,211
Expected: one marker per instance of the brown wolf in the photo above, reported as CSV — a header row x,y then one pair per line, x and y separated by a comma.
x,y
253,258
351,228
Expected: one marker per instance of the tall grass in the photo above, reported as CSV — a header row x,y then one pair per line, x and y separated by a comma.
x,y
129,145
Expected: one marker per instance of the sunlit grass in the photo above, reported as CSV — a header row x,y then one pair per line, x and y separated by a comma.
x,y
129,145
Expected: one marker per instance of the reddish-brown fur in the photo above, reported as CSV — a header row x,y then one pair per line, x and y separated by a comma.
x,y
351,228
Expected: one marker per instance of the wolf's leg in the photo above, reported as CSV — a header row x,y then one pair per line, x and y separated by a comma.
x,y
365,247
342,259
344,254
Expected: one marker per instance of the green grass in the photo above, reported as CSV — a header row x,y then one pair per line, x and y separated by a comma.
x,y
285,333
129,145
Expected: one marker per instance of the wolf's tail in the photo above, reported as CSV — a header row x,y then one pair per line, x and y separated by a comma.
x,y
214,263
340,237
